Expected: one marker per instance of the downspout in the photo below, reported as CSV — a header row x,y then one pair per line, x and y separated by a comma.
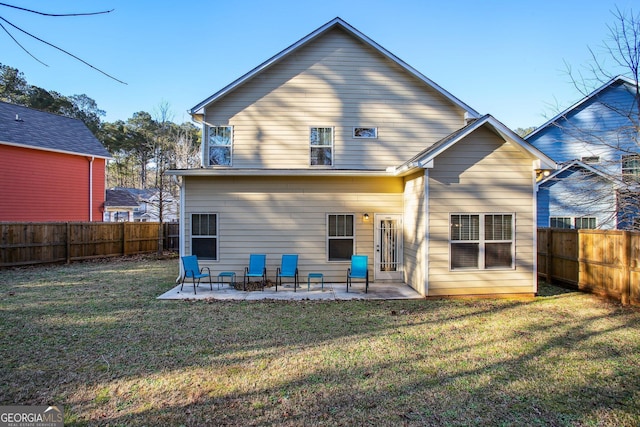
x,y
426,232
91,188
182,227
535,230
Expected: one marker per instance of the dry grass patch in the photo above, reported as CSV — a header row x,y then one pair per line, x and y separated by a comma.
x,y
92,337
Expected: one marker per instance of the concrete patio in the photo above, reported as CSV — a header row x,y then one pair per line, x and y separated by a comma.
x,y
331,291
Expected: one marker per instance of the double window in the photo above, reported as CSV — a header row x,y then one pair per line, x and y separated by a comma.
x,y
321,146
204,236
481,241
566,222
340,237
219,144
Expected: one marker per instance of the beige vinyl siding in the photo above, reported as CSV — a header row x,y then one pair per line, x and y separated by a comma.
x,y
414,232
287,215
334,81
481,174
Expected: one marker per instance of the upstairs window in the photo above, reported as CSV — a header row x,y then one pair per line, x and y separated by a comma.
x,y
321,143
219,143
631,168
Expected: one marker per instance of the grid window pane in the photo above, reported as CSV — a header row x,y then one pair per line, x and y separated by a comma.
x,y
465,227
205,248
340,249
321,142
220,142
497,255
586,223
559,222
204,236
464,255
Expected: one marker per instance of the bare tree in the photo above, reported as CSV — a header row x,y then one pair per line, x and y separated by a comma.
x,y
608,141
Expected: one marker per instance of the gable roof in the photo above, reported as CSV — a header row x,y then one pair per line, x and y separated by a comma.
x,y
425,158
586,99
25,127
574,164
120,198
335,23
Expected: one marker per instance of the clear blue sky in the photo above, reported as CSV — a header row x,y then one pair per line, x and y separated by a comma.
x,y
506,58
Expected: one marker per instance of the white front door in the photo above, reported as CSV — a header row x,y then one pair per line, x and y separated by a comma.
x,y
388,247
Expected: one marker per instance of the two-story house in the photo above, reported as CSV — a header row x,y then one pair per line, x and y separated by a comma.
x,y
335,147
52,168
596,141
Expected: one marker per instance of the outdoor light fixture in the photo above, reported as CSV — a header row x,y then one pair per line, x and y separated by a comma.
x,y
365,217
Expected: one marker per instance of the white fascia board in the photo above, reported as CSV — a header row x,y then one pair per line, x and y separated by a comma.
x,y
53,150
546,162
199,108
579,103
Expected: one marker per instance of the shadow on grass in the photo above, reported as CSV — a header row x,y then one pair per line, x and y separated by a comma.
x,y
98,342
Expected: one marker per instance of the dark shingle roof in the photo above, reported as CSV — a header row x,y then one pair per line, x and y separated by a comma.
x,y
46,131
120,198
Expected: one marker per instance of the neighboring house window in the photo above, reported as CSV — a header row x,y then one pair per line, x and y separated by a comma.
x,y
340,236
321,141
560,222
365,132
587,222
204,236
481,241
631,168
220,141
590,159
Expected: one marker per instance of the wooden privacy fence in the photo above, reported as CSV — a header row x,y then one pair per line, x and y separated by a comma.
x,y
603,262
50,242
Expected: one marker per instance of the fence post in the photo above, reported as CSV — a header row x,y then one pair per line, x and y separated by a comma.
x,y
124,239
548,260
68,243
625,291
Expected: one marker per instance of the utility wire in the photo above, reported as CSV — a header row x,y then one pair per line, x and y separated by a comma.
x,y
50,44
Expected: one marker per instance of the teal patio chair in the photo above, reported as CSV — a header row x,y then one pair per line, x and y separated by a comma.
x,y
257,268
193,271
358,270
288,268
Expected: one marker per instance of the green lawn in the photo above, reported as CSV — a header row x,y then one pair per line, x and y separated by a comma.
x,y
91,337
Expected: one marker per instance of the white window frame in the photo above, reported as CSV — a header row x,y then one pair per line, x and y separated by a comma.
x,y
566,220
208,145
357,133
585,218
482,241
329,146
340,237
215,236
630,173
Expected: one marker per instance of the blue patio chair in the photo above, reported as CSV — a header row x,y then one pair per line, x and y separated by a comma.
x,y
288,268
192,270
358,270
257,268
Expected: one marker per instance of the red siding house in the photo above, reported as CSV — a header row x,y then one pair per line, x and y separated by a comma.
x,y
52,168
